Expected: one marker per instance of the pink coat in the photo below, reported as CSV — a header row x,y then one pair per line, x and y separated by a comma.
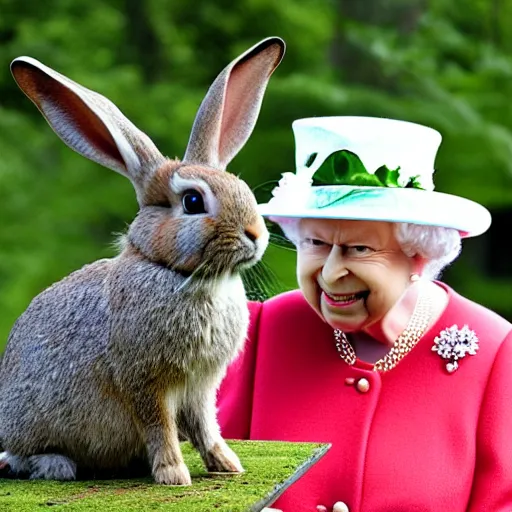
x,y
420,439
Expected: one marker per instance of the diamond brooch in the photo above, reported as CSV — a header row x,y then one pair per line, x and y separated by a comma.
x,y
454,344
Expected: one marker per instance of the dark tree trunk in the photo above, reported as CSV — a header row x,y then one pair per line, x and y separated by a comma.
x,y
142,41
495,23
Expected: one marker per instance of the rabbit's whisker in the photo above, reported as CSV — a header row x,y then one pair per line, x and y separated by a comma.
x,y
190,277
280,241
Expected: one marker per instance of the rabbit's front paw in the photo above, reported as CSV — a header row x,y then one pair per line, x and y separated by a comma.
x,y
51,467
172,475
222,459
13,465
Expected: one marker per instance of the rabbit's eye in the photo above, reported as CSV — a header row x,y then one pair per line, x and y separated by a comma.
x,y
193,202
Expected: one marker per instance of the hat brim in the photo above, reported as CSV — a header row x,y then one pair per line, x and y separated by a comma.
x,y
411,205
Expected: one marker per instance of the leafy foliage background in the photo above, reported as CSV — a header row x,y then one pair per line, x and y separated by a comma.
x,y
431,62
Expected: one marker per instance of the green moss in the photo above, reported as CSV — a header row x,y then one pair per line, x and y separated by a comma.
x,y
267,466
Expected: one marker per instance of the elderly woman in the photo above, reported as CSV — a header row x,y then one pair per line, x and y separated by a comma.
x,y
410,382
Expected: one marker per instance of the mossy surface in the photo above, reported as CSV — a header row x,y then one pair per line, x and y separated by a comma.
x,y
267,466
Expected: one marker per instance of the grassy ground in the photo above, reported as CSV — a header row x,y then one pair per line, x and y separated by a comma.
x,y
267,466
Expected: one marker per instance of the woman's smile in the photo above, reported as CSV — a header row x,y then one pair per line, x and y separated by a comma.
x,y
343,300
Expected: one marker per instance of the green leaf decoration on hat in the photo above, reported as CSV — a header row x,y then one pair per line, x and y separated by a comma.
x,y
387,177
345,168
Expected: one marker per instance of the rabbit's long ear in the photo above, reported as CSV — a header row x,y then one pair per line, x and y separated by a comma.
x,y
88,122
229,111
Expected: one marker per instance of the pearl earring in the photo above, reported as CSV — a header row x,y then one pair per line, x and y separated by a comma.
x,y
414,277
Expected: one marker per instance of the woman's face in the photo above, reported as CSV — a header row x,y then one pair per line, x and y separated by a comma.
x,y
351,272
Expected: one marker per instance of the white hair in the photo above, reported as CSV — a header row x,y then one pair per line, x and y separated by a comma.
x,y
439,246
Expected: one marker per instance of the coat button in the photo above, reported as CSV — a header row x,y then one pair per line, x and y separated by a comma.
x,y
363,386
339,506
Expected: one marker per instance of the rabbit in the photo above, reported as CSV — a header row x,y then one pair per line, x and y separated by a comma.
x,y
121,359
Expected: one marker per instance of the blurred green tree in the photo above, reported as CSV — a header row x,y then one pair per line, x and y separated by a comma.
x,y
433,63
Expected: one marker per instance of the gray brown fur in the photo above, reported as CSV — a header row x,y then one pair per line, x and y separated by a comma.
x,y
119,359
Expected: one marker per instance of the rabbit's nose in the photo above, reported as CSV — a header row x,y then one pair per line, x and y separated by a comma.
x,y
250,235
255,230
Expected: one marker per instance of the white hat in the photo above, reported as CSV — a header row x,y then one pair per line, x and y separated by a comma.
x,y
365,168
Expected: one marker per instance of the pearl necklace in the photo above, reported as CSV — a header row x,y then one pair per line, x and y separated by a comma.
x,y
412,334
